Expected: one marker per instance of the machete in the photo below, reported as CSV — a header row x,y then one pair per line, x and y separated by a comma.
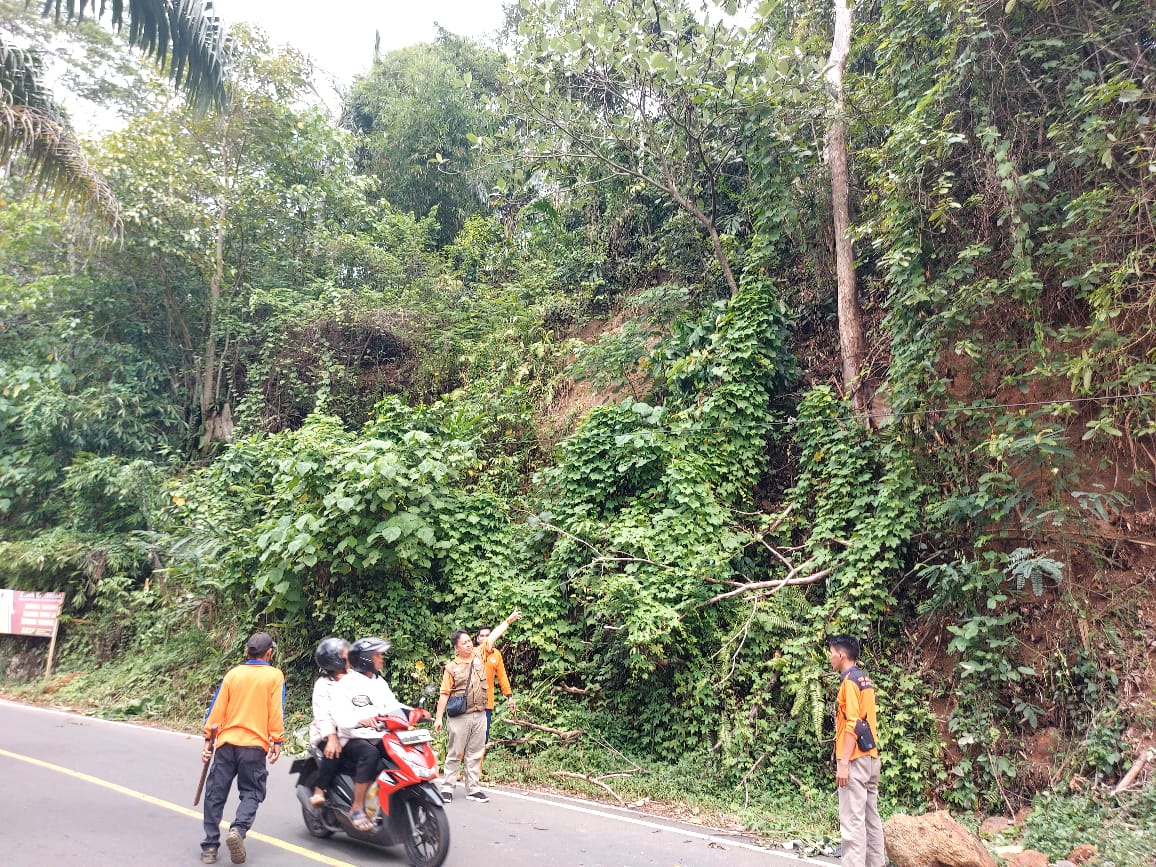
x,y
205,765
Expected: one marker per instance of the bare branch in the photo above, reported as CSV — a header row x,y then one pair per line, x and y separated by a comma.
x,y
588,779
764,585
564,736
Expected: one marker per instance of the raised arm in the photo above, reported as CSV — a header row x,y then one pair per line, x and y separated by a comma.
x,y
514,617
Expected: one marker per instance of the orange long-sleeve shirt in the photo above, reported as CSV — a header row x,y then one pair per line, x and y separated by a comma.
x,y
495,666
249,707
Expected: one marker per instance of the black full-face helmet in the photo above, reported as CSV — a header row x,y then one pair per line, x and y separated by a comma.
x,y
330,655
361,654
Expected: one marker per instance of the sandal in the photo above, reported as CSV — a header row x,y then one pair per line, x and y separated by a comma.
x,y
317,799
360,821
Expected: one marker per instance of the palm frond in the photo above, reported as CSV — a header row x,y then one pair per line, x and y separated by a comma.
x,y
20,79
51,157
184,37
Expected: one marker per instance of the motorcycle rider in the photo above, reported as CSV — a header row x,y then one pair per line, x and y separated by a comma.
x,y
332,658
361,696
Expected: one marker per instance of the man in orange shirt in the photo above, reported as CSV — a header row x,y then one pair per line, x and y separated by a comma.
x,y
495,667
463,677
857,758
247,714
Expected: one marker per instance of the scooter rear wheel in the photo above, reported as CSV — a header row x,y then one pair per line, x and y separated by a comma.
x,y
427,842
313,823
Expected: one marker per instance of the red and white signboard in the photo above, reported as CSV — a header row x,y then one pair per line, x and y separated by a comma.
x,y
35,615
23,613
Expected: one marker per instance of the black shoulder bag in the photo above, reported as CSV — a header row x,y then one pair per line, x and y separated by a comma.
x,y
456,706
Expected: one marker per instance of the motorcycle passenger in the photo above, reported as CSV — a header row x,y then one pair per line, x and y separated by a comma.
x,y
362,695
332,658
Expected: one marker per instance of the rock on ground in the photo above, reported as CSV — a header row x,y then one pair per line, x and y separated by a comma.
x,y
933,840
1083,852
993,826
1029,858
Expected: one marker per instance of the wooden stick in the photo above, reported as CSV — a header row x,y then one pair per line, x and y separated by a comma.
x,y
758,762
573,690
51,648
777,584
1133,772
563,735
799,783
588,779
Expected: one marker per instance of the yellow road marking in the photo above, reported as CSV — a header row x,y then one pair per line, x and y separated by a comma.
x,y
177,808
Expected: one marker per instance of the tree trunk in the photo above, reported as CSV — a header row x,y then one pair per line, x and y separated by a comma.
x,y
852,342
216,421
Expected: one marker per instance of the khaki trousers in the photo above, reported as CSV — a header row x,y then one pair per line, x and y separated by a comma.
x,y
466,734
859,824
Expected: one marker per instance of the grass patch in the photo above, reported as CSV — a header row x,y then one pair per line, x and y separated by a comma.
x,y
1123,829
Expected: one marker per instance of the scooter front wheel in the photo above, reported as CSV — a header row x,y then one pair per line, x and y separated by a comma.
x,y
313,823
427,839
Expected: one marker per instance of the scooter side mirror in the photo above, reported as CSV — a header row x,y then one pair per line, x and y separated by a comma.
x,y
418,714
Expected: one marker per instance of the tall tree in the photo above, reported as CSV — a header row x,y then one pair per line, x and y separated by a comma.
x,y
221,205
418,112
647,92
852,342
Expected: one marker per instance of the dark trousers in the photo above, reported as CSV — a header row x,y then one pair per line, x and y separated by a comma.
x,y
326,771
360,757
489,719
246,765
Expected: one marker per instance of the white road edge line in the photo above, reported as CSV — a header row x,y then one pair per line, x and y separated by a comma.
x,y
674,829
77,715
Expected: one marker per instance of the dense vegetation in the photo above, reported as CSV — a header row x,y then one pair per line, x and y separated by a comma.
x,y
556,329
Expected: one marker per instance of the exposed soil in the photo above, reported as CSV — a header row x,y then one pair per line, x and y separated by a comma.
x,y
574,399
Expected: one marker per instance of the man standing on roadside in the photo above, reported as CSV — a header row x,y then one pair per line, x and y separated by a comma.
x,y
495,668
857,758
463,678
247,715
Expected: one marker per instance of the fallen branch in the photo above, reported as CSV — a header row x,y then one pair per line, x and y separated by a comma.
x,y
594,781
799,783
775,585
1129,778
774,525
775,551
636,769
602,556
746,776
564,736
573,690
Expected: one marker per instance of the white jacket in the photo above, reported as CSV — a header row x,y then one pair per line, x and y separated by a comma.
x,y
359,697
323,725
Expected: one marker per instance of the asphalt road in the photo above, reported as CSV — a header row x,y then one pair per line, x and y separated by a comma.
x,y
77,790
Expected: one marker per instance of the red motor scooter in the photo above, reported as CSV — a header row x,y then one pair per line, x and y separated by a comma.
x,y
404,804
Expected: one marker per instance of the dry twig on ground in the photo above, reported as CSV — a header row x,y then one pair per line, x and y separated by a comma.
x,y
564,736
597,781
